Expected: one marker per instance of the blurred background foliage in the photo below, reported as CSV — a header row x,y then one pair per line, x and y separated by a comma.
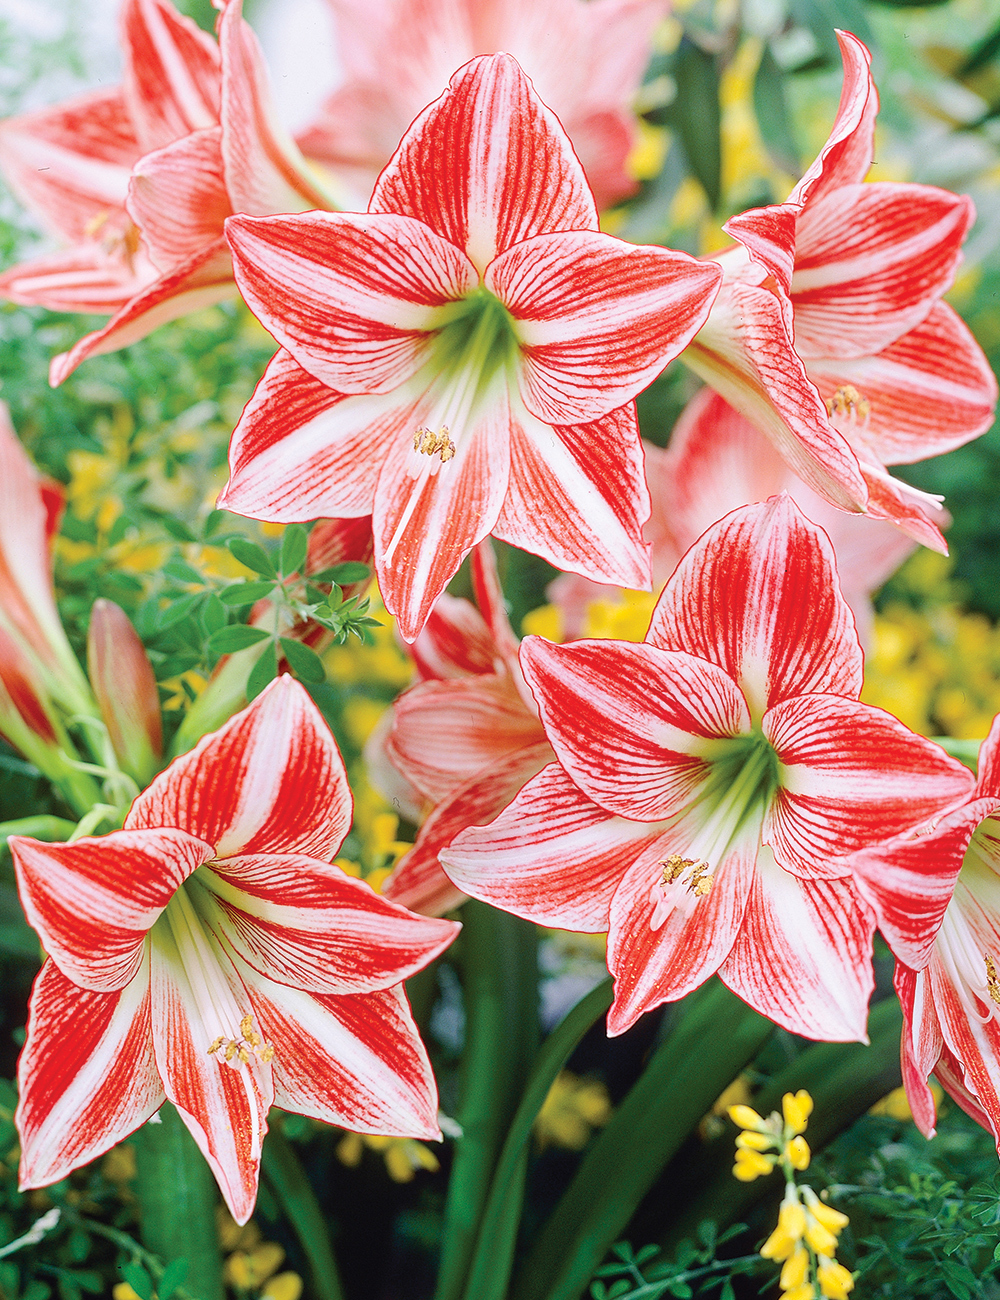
x,y
738,99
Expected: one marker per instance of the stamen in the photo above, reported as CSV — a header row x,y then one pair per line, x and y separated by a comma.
x,y
992,981
848,404
699,881
240,1051
431,444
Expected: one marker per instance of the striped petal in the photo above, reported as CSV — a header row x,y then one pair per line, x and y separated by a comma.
x,y
850,776
803,956
634,726
83,278
487,165
354,298
455,641
270,781
922,1044
87,1077
171,75
94,901
758,595
307,924
597,318
177,197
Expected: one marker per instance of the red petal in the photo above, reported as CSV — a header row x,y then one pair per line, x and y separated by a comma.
x,y
86,1077
177,197
430,513
908,508
909,881
455,641
920,1050
354,298
552,856
125,687
171,79
265,172
301,450
597,319
443,733
746,354
930,391
988,779
94,901
270,781
851,776
634,726
578,498
203,279
492,605
305,923
82,278
71,163
803,956
870,262
688,944
487,165
354,1061
758,596
419,882
972,1041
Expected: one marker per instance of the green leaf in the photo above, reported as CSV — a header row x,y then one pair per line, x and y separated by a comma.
x,y
177,529
245,593
305,662
284,1175
213,522
177,610
698,116
227,640
773,117
173,1277
294,545
181,571
253,556
264,671
213,615
349,571
138,1279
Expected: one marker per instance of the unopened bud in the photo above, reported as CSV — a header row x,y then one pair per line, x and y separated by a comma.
x,y
123,682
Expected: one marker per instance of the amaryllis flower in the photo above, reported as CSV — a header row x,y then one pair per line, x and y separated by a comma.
x,y
586,59
461,359
829,333
936,894
184,187
717,461
708,784
209,953
465,739
71,164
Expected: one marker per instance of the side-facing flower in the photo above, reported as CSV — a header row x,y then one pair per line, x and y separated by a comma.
x,y
461,359
829,333
586,58
708,784
936,895
209,953
466,738
181,191
716,462
70,164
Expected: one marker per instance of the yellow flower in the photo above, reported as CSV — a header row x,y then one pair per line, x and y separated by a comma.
x,y
820,1239
805,1292
787,1236
797,1153
402,1156
795,1270
896,1106
283,1286
796,1109
573,1108
122,1291
751,1164
835,1281
249,1270
746,1117
755,1141
828,1216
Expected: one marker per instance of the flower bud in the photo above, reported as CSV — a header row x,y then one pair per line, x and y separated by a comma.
x,y
746,1117
123,682
755,1141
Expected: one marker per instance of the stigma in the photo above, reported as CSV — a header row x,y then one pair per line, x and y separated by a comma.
x,y
434,444
240,1051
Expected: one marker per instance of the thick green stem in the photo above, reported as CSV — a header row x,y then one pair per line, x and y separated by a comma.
x,y
500,978
177,1198
714,1039
844,1080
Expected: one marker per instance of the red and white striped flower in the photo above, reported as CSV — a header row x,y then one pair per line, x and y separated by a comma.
x,y
709,783
464,739
829,332
461,359
586,59
936,894
209,953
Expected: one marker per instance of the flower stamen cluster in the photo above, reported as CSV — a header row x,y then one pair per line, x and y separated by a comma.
x,y
805,1239
238,1051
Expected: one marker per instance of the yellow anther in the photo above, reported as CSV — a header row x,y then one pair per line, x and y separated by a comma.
x,y
431,444
992,981
795,1270
242,1050
751,1164
266,1053
796,1108
797,1153
674,867
216,1044
246,1025
847,402
747,1117
231,1049
701,880
835,1281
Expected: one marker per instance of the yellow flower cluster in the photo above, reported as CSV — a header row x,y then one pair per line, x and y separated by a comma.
x,y
403,1156
805,1240
252,1264
572,1110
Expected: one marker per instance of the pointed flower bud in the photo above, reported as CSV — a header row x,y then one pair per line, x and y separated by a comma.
x,y
125,687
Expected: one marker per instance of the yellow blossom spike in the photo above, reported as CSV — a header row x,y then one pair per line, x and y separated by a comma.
x,y
787,1236
827,1215
798,1154
746,1117
795,1270
796,1108
755,1141
835,1281
751,1164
